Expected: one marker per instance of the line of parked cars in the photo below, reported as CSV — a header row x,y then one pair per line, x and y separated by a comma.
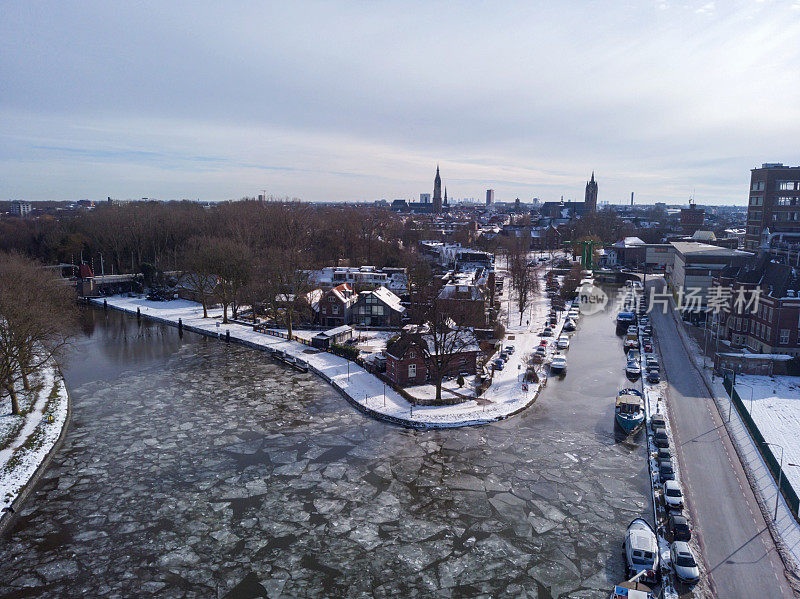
x,y
676,528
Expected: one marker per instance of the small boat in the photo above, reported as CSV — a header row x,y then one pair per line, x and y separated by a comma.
x,y
558,364
632,589
569,326
631,341
641,551
629,410
633,355
625,318
633,369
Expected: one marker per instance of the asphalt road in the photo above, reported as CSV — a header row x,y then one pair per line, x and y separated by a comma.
x,y
737,549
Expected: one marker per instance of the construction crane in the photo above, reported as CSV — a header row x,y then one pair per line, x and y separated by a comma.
x,y
587,251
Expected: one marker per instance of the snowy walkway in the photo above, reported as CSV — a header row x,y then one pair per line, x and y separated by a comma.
x,y
785,529
20,460
364,390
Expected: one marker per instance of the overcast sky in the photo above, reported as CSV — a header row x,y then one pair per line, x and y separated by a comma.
x,y
360,100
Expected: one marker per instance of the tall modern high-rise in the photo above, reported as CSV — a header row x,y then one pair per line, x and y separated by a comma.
x,y
774,202
489,197
590,198
437,192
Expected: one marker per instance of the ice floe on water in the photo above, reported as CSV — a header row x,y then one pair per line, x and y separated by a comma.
x,y
218,472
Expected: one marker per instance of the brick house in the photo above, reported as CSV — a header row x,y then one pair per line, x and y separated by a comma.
x,y
407,364
464,302
335,305
774,326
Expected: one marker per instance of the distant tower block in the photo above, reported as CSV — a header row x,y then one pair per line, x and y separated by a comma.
x,y
489,197
631,199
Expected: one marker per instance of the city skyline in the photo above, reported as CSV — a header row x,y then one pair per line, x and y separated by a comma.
x,y
177,101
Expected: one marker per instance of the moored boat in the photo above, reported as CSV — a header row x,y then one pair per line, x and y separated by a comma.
x,y
641,551
633,369
629,410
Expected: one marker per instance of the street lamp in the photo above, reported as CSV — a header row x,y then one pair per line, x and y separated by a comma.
x,y
751,395
780,475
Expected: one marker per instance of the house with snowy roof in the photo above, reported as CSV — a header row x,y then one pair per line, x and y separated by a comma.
x,y
335,305
377,308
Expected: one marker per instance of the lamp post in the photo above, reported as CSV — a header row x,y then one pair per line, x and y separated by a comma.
x,y
751,395
780,479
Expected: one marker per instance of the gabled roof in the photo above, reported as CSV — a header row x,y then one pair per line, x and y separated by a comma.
x,y
387,297
343,292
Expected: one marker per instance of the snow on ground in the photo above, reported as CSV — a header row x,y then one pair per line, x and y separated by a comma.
x,y
20,459
360,386
776,411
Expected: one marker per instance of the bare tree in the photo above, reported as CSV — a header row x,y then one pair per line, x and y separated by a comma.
x,y
287,279
197,265
446,341
37,319
524,278
231,264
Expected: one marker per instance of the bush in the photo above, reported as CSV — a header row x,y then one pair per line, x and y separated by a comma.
x,y
793,366
345,351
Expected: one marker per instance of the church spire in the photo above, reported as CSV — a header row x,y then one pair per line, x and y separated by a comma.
x,y
437,192
445,195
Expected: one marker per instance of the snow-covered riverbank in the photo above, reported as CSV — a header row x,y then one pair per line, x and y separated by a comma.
x,y
365,391
29,438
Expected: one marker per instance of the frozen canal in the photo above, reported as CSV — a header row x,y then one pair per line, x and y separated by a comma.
x,y
197,469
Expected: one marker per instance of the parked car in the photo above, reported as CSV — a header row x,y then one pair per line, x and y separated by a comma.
x,y
653,376
683,563
665,471
660,438
648,348
651,361
510,350
543,342
499,364
678,528
548,332
662,454
541,351
673,495
563,342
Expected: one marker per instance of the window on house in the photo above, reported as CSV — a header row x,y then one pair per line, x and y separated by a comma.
x,y
769,334
412,371
784,336
787,185
334,309
757,200
757,186
411,354
784,201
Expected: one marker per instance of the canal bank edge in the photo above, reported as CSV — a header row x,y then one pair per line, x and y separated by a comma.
x,y
407,423
7,518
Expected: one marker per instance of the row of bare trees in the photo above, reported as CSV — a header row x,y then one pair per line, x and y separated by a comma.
x,y
37,319
131,234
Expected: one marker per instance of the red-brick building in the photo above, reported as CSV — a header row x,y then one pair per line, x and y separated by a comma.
x,y
774,326
335,305
407,364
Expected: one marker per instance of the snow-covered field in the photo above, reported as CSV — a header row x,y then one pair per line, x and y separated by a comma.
x,y
776,411
505,396
41,427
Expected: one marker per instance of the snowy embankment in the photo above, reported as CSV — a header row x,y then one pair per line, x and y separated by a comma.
x,y
776,411
28,439
364,390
